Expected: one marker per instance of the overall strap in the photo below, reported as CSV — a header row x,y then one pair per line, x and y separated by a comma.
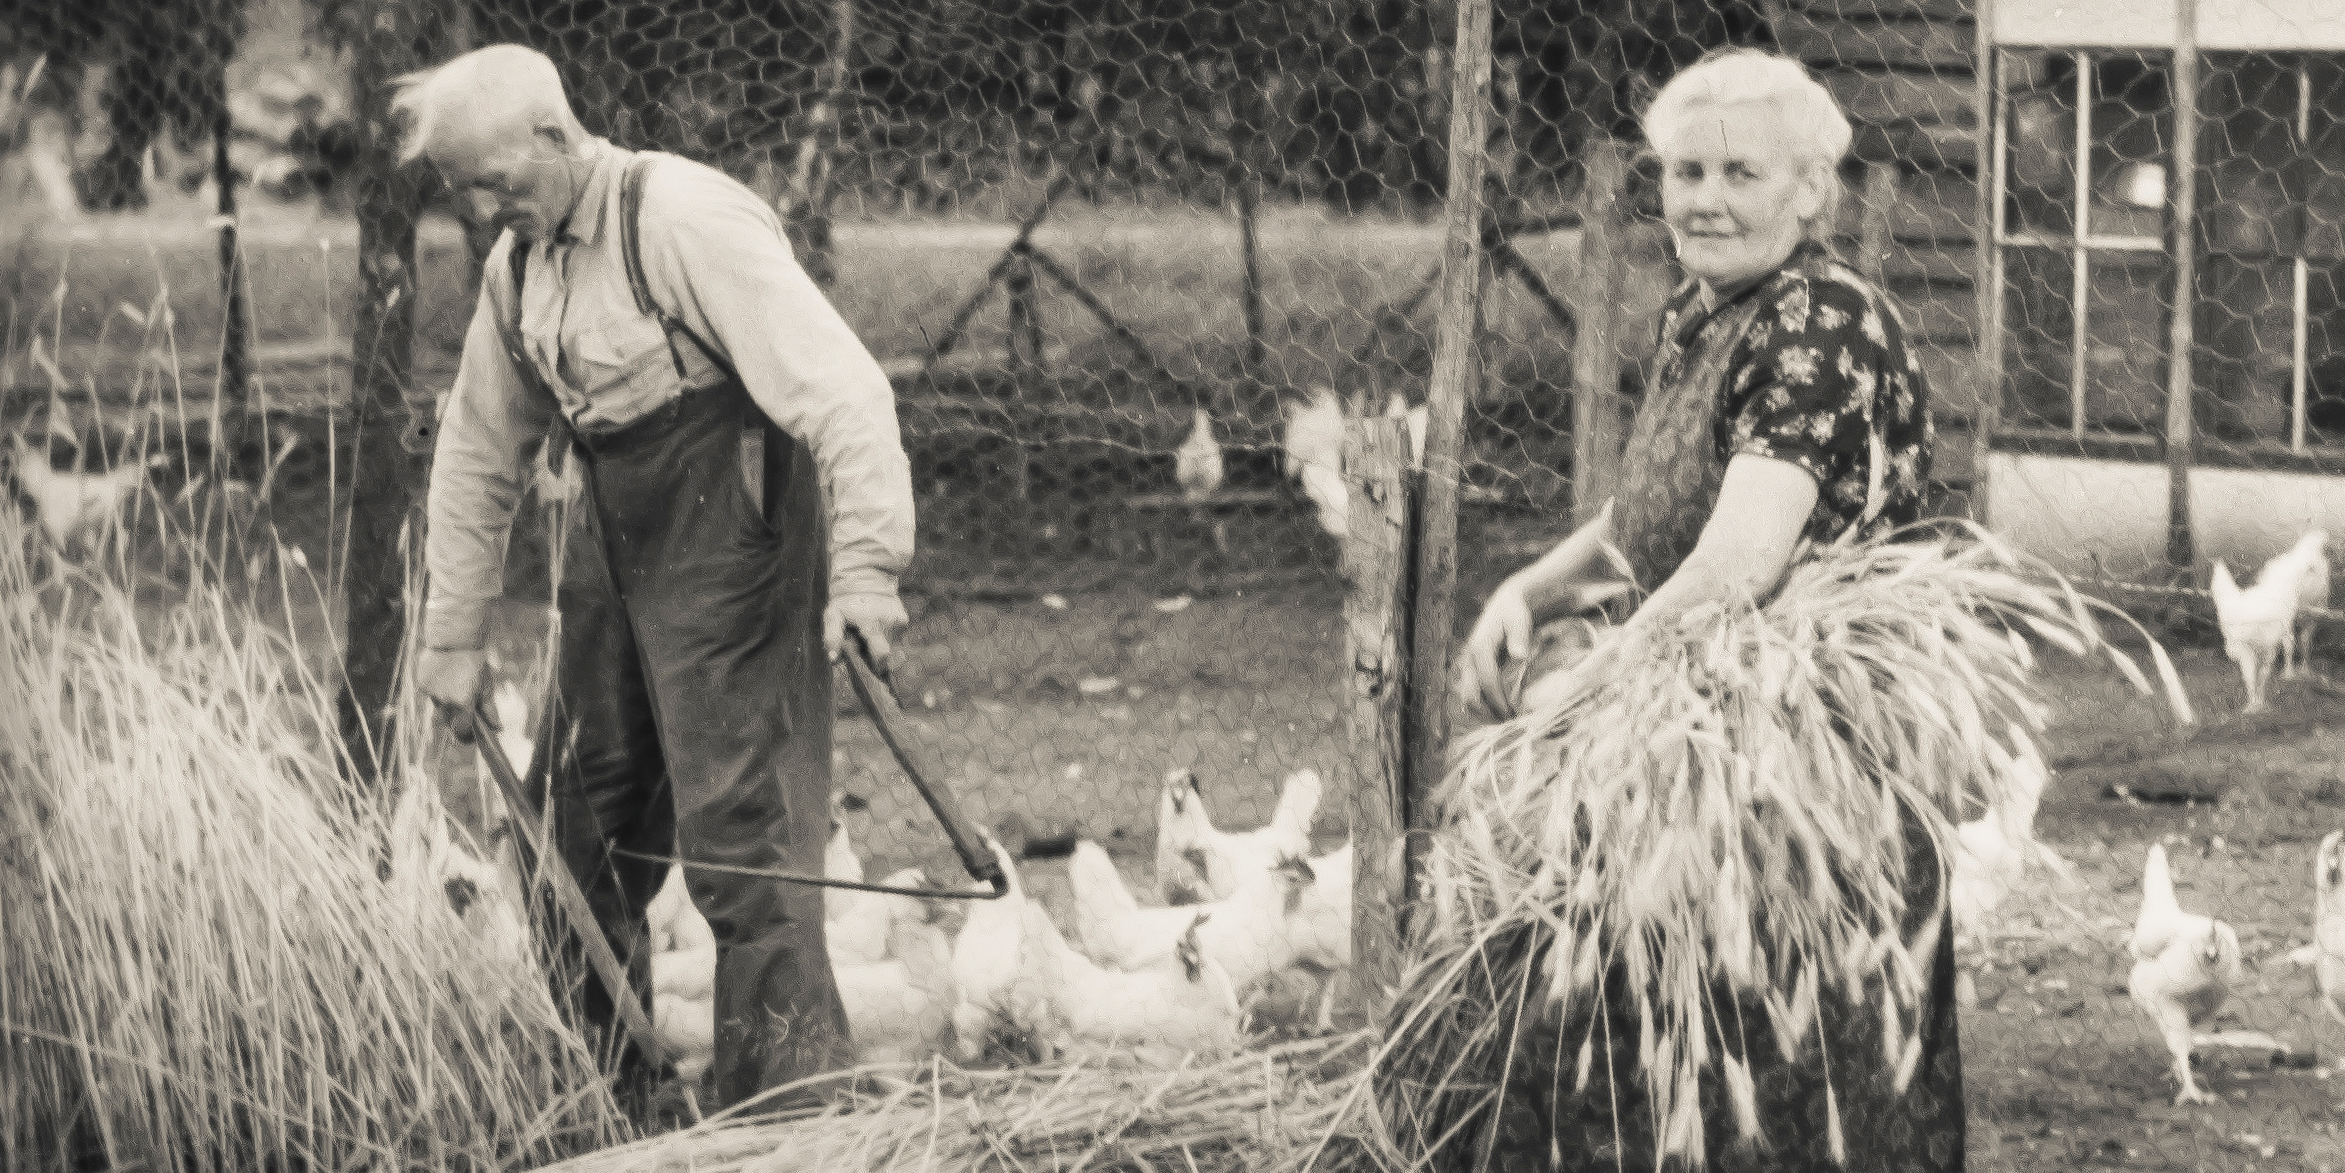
x,y
631,251
753,432
509,330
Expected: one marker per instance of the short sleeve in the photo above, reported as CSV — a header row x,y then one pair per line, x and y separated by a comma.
x,y
1804,390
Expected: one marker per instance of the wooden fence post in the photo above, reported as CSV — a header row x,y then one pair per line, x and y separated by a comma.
x,y
1248,201
1595,358
806,218
1376,642
232,404
1987,412
1873,228
1433,618
2181,424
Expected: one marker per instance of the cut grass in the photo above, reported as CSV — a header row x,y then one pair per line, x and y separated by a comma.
x,y
208,968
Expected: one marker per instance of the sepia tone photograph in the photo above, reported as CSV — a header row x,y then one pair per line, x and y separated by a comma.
x,y
1171,586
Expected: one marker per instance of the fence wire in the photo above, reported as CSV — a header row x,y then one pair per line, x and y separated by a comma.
x,y
1087,237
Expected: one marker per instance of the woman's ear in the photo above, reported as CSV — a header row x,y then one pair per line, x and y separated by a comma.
x,y
1809,189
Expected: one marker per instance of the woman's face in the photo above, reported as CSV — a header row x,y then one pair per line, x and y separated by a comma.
x,y
1733,191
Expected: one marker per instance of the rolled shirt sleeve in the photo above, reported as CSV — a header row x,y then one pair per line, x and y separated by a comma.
x,y
491,424
715,256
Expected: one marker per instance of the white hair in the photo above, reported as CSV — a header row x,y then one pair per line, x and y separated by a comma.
x,y
1817,129
499,82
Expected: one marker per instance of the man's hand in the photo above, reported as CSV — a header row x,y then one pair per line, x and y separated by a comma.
x,y
455,679
879,617
1505,626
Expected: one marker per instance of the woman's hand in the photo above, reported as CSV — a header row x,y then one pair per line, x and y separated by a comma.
x,y
1503,629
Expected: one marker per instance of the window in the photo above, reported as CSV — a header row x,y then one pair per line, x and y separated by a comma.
x,y
2083,191
2086,145
2269,369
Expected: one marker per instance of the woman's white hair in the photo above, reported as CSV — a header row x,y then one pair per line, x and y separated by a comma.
x,y
510,83
1818,131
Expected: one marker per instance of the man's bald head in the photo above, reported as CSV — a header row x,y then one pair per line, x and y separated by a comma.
x,y
501,133
501,92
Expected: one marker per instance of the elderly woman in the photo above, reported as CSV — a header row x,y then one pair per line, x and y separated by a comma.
x,y
1785,409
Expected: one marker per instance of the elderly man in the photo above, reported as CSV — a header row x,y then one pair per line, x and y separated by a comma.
x,y
642,313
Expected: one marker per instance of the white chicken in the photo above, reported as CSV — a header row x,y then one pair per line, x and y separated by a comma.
x,y
2184,969
899,1008
1182,1005
2259,622
859,931
684,964
683,983
1195,861
1321,921
1197,462
477,889
70,504
1416,418
2312,596
2328,931
1312,452
1993,851
1247,934
985,969
839,861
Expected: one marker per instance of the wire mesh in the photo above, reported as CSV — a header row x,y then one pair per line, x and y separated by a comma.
x,y
1075,233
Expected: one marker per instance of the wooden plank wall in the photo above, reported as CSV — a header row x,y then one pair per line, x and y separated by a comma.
x,y
1905,71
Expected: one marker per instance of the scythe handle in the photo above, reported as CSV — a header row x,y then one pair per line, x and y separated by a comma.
x,y
570,897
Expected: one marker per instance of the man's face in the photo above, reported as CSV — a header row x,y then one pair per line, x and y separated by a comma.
x,y
514,178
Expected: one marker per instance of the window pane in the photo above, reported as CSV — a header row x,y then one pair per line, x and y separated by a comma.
x,y
2248,147
2040,142
2039,322
2131,296
2133,145
2241,368
2325,355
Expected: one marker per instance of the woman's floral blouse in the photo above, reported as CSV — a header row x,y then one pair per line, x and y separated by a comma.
x,y
1822,379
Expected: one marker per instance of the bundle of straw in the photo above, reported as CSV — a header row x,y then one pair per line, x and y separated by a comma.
x,y
204,969
1729,811
1276,1110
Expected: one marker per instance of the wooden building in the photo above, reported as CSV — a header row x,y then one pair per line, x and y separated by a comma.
x,y
2081,432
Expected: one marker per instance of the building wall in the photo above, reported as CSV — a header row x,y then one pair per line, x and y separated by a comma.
x,y
2073,513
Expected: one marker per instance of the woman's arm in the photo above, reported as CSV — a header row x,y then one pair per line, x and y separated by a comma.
x,y
1528,597
1763,504
1549,584
1744,548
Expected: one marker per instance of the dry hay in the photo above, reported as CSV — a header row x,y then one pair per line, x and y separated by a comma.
x,y
205,968
1285,1108
1725,812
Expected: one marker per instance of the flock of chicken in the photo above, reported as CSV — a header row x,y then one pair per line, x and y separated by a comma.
x,y
1310,453
1158,981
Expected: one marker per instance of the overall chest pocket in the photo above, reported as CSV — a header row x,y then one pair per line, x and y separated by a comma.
x,y
621,357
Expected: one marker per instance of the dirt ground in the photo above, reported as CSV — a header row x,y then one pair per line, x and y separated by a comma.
x,y
2062,1069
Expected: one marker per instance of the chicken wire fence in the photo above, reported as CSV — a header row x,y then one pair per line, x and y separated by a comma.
x,y
1072,231
2093,189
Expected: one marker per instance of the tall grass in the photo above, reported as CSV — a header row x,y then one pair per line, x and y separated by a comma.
x,y
205,965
